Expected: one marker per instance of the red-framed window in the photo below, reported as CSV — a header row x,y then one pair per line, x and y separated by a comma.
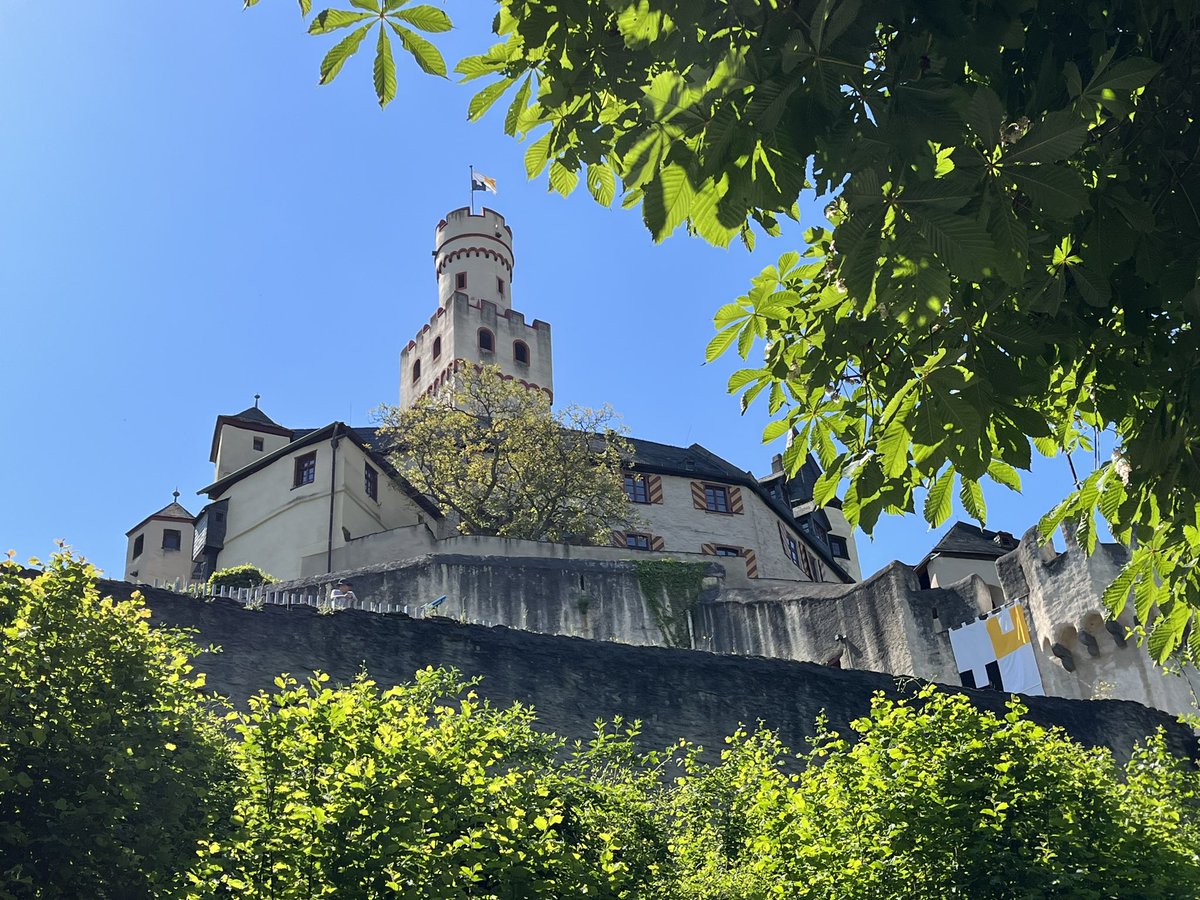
x,y
487,341
521,352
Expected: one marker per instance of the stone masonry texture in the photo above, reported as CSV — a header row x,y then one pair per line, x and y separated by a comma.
x,y
571,682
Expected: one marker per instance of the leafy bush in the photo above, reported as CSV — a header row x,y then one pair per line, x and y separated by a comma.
x,y
117,780
244,576
935,799
422,791
112,763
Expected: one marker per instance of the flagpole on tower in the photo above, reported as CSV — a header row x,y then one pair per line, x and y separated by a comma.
x,y
472,204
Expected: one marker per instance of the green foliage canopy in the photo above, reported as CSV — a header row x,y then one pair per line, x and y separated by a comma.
x,y
421,791
116,780
1010,252
112,763
492,454
934,799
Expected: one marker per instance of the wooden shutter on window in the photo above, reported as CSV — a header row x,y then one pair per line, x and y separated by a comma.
x,y
783,540
806,562
735,500
751,562
657,544
654,487
698,500
708,549
618,538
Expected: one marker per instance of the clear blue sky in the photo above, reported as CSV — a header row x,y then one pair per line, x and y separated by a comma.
x,y
187,219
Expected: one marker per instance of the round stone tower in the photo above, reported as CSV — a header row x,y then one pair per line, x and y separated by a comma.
x,y
475,322
473,255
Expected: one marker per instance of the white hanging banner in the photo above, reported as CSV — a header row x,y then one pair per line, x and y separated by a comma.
x,y
997,652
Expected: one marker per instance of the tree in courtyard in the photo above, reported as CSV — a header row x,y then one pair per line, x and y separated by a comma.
x,y
1011,245
492,453
112,763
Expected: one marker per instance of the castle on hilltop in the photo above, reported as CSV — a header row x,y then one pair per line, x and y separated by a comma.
x,y
299,502
778,577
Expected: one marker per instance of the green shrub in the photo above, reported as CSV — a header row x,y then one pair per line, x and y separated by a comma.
x,y
421,791
244,576
936,798
112,763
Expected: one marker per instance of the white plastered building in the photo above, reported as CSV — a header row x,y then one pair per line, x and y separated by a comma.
x,y
302,502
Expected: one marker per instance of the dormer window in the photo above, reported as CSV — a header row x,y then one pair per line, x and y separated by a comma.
x,y
487,341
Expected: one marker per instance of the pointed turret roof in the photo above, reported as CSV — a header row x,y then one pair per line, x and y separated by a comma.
x,y
251,418
256,415
173,511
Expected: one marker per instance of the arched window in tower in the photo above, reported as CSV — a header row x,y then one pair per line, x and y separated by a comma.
x,y
416,372
437,347
521,352
487,341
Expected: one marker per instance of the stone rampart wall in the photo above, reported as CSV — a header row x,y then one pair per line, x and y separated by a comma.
x,y
571,682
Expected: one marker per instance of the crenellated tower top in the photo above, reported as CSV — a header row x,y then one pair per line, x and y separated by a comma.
x,y
473,255
474,322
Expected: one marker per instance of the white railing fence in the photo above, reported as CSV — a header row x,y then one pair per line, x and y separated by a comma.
x,y
267,594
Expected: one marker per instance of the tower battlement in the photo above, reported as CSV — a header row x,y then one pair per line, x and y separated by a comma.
x,y
473,253
462,331
474,321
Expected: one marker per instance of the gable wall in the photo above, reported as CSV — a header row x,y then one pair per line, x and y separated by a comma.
x,y
274,525
686,529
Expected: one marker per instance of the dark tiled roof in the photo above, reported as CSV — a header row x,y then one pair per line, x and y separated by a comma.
x,y
693,460
255,415
972,541
172,510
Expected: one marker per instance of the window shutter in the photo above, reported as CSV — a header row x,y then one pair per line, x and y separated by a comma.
x,y
618,538
708,549
806,561
751,562
657,544
654,484
698,500
735,500
783,539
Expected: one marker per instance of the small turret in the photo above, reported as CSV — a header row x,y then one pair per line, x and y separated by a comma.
x,y
160,547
